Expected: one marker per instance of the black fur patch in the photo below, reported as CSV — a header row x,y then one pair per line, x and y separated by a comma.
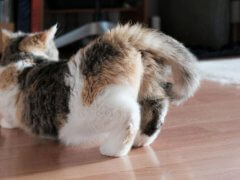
x,y
155,123
46,97
101,52
12,53
167,86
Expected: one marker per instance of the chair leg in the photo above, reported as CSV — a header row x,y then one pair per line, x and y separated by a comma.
x,y
94,28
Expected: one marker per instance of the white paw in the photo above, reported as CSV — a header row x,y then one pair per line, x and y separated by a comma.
x,y
5,124
116,151
119,143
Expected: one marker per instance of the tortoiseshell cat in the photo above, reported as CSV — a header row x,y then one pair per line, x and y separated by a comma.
x,y
21,51
117,85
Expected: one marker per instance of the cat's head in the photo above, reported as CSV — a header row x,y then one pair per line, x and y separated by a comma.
x,y
38,44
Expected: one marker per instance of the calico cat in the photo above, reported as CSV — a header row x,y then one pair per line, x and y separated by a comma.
x,y
21,51
117,86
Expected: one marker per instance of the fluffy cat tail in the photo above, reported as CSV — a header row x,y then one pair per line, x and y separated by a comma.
x,y
167,50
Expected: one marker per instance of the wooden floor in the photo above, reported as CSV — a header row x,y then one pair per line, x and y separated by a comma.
x,y
200,140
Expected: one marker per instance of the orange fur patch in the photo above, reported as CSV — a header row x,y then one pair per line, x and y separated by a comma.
x,y
94,85
114,72
8,77
31,43
20,110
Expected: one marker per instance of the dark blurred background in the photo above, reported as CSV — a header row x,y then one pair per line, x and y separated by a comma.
x,y
210,28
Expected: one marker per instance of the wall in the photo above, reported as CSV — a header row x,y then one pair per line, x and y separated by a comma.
x,y
197,22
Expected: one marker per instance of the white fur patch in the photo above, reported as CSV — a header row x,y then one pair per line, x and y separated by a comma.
x,y
8,99
114,113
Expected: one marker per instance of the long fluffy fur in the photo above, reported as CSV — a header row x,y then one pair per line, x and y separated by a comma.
x,y
167,50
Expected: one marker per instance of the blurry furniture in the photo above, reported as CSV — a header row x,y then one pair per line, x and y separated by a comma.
x,y
5,18
8,26
235,21
197,22
137,13
37,17
98,27
90,29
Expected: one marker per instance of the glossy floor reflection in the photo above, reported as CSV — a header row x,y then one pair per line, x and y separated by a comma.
x,y
200,140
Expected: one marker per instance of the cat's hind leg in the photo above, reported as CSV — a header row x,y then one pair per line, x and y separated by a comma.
x,y
125,122
152,118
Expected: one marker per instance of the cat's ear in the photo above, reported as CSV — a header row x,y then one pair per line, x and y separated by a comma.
x,y
6,35
47,35
52,31
38,40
